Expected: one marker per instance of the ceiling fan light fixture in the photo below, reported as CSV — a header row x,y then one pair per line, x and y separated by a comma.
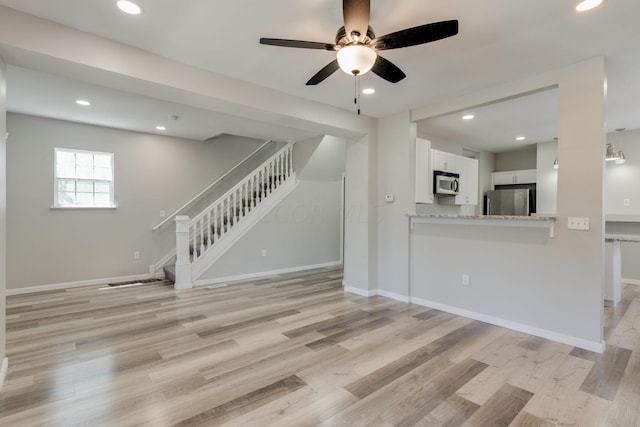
x,y
356,59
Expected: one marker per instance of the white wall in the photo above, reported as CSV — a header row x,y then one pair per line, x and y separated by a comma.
x,y
3,209
547,178
304,229
52,246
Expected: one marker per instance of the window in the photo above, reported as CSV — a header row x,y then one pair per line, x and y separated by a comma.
x,y
84,179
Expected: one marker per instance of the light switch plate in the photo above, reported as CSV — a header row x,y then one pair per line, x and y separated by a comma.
x,y
626,203
578,223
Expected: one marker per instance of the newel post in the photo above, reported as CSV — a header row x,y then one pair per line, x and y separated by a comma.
x,y
183,261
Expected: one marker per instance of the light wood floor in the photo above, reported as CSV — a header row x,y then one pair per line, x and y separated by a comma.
x,y
295,350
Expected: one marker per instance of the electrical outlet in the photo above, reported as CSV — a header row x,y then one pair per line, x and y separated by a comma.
x,y
136,255
465,279
579,223
264,252
626,203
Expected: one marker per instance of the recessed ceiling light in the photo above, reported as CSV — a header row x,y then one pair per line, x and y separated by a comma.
x,y
161,128
129,7
520,138
585,5
83,102
468,117
369,91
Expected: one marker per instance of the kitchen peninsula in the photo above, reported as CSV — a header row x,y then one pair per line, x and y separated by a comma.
x,y
547,222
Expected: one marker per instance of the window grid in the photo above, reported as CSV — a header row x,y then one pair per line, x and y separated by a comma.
x,y
83,178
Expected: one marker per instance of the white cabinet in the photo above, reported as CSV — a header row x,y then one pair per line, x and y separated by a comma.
x,y
443,161
468,170
424,174
527,176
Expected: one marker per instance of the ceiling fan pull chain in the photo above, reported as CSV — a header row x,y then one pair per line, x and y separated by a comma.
x,y
356,99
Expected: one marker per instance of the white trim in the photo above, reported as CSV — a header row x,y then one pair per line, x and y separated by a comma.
x,y
157,267
358,291
3,371
393,295
597,347
630,281
69,285
218,280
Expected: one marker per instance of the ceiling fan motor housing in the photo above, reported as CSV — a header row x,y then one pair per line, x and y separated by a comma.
x,y
343,40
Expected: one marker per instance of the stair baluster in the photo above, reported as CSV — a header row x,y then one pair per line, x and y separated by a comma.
x,y
215,222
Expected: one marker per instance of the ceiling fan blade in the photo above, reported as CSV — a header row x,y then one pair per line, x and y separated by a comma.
x,y
387,70
297,43
356,16
329,69
416,35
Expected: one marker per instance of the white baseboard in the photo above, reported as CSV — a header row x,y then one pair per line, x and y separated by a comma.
x,y
218,280
357,291
597,347
630,281
69,285
3,371
393,295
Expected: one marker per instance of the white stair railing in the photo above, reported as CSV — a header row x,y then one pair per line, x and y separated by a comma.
x,y
214,223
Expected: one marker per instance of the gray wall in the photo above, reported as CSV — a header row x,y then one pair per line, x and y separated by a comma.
x,y
3,207
517,274
622,183
516,159
52,246
304,229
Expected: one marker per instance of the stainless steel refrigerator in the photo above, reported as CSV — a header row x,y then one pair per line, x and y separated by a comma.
x,y
519,202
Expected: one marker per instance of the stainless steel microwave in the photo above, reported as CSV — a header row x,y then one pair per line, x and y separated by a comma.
x,y
445,183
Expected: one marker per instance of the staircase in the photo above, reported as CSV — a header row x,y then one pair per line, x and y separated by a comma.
x,y
203,239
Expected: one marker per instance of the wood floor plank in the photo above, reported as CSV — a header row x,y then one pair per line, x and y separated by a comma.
x,y
502,408
607,372
224,412
295,350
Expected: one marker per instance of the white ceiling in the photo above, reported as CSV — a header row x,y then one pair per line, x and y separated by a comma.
x,y
499,41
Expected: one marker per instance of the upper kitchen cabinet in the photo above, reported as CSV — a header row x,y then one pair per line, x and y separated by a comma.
x,y
527,176
468,170
443,161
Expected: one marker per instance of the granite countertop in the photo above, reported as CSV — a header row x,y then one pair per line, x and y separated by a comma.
x,y
622,237
485,217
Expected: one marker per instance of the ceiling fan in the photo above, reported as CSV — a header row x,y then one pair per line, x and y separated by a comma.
x,y
357,46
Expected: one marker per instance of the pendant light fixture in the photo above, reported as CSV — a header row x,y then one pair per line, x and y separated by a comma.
x,y
611,154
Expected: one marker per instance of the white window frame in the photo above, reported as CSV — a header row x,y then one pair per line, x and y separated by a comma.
x,y
56,179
